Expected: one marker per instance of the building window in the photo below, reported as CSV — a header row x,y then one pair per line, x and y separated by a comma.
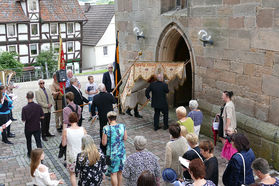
x,y
34,29
12,48
105,50
70,28
11,30
70,46
34,49
32,5
56,48
53,29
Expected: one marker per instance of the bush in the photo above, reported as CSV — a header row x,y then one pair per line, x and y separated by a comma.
x,y
46,57
8,60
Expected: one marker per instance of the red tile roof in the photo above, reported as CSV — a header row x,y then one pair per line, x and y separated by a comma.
x,y
61,10
11,11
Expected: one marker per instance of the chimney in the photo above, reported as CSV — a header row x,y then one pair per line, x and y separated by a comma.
x,y
87,7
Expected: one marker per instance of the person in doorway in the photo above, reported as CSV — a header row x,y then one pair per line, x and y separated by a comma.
x,y
44,99
58,105
159,90
31,115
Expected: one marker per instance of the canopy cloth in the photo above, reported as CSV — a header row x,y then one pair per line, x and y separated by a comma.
x,y
140,75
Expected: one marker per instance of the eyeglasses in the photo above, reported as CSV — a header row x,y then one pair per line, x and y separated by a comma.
x,y
42,83
109,67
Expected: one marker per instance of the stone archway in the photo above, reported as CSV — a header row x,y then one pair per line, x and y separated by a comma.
x,y
173,46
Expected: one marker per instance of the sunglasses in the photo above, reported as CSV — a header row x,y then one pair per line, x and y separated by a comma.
x,y
109,67
42,83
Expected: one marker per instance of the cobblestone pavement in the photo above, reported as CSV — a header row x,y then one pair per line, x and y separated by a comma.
x,y
14,163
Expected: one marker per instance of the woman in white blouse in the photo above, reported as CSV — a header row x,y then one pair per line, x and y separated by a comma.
x,y
39,172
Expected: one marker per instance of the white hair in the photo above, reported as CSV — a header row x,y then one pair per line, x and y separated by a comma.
x,y
193,104
182,111
73,79
140,142
39,81
102,87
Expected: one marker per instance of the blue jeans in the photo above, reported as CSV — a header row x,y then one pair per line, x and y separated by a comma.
x,y
91,99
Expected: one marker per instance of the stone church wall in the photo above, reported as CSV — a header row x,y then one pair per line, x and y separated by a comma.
x,y
244,57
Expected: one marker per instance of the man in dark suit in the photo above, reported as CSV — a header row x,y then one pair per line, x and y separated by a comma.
x,y
103,101
108,79
79,99
159,90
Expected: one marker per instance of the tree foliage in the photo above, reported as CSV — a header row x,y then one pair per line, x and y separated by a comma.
x,y
46,57
8,60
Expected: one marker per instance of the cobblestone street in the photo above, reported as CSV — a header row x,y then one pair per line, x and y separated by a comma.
x,y
14,162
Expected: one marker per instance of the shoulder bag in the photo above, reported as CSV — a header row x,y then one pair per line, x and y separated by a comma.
x,y
243,168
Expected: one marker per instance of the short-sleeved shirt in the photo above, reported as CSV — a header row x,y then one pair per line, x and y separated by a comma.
x,y
31,114
91,87
229,112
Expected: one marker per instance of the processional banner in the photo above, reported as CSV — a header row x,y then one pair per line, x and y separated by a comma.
x,y
142,73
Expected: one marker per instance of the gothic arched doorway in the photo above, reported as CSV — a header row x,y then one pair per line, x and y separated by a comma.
x,y
173,46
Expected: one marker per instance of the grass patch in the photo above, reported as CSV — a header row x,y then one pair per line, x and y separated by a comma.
x,y
92,72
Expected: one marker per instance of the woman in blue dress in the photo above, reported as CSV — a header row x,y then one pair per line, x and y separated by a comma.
x,y
114,136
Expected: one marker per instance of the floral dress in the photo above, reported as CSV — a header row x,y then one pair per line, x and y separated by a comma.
x,y
90,175
115,146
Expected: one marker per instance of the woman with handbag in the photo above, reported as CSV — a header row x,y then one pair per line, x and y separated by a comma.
x,y
239,171
227,118
114,136
72,138
90,164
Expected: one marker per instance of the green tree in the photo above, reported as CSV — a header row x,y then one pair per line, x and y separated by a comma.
x,y
46,57
8,60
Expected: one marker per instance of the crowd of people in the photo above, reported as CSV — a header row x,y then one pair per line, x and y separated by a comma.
x,y
188,160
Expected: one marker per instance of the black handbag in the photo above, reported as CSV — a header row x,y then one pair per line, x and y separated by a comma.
x,y
108,160
62,151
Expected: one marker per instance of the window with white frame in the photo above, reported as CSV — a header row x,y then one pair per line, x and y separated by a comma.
x,y
11,30
34,29
12,48
105,50
34,49
55,48
70,46
33,5
70,28
53,29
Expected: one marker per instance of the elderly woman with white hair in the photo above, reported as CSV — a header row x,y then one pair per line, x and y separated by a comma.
x,y
181,114
90,163
114,136
196,115
142,160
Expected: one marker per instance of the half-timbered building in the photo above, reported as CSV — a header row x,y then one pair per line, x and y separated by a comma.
x,y
28,27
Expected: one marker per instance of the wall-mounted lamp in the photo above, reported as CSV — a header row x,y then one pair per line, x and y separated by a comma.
x,y
205,38
138,33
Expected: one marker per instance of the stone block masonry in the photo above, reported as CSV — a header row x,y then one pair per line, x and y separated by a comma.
x,y
244,56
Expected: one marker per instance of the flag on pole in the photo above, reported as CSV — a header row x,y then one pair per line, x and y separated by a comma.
x,y
117,74
61,63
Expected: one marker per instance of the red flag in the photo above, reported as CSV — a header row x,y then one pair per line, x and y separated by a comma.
x,y
61,64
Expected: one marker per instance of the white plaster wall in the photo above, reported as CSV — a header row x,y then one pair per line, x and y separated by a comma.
x,y
77,45
23,50
22,37
24,59
88,57
3,49
45,47
2,38
102,59
108,40
22,28
77,26
45,27
2,29
63,27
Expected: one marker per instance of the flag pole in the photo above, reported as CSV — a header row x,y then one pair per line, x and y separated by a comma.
x,y
127,71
